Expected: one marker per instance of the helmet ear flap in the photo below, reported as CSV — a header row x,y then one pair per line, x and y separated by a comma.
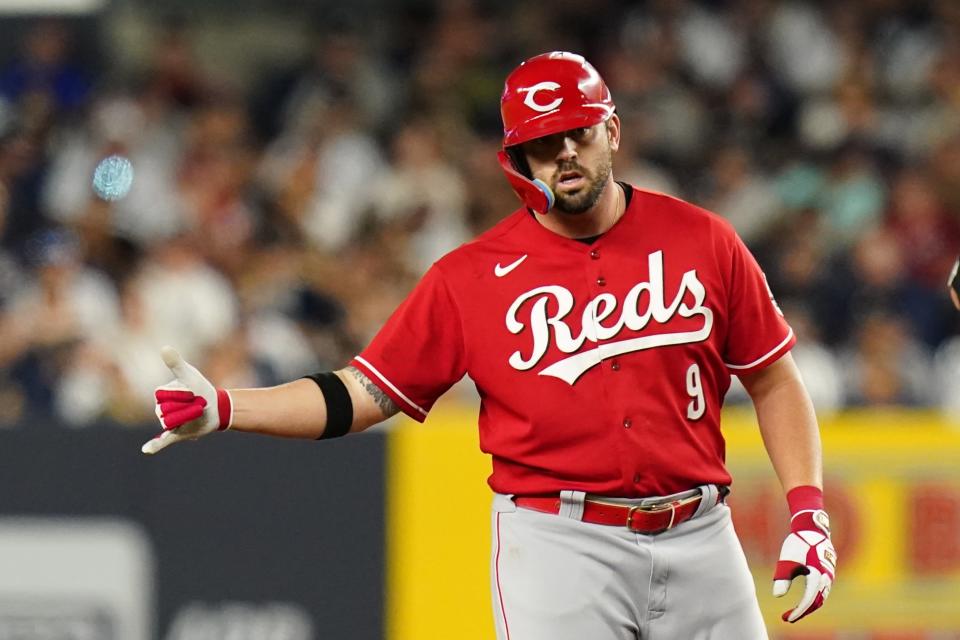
x,y
519,161
535,193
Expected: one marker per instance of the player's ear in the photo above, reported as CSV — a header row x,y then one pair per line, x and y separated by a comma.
x,y
613,131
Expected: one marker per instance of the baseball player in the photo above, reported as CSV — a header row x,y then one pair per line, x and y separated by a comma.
x,y
601,324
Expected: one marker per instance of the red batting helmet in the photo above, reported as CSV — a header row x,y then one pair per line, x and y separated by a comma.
x,y
547,94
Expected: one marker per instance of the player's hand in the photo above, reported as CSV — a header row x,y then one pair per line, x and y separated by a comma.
x,y
188,406
953,284
807,552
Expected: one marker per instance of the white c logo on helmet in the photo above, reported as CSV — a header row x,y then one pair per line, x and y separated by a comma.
x,y
531,102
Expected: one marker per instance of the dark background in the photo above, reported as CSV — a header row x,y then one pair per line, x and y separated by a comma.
x,y
240,519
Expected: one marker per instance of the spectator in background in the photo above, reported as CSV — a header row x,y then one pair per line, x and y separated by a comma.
x,y
711,45
292,326
123,360
928,233
232,360
376,283
487,195
146,133
882,280
885,365
929,236
67,301
66,306
758,113
341,67
740,193
43,81
284,347
174,76
803,48
634,76
319,173
213,179
421,197
12,328
830,122
454,74
941,118
84,387
10,273
908,44
184,297
21,173
873,276
820,367
944,168
12,393
674,119
802,272
852,197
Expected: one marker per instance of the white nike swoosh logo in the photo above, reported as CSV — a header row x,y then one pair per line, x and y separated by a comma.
x,y
502,271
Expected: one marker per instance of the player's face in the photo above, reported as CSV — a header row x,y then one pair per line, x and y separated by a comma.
x,y
576,164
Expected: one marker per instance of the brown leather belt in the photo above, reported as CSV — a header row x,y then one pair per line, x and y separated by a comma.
x,y
648,519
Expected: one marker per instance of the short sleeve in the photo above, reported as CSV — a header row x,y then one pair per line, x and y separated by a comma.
x,y
758,334
419,352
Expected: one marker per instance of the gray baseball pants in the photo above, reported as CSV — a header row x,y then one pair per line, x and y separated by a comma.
x,y
555,577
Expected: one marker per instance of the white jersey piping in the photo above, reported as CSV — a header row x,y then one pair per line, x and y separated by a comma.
x,y
383,379
764,356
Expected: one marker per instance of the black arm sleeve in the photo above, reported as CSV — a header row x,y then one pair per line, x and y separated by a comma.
x,y
339,405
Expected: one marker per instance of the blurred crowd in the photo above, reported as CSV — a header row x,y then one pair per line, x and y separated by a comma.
x,y
272,227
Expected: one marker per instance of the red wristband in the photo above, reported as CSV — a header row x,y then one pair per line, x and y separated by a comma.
x,y
224,409
804,498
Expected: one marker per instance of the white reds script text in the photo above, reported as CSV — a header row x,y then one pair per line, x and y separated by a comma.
x,y
543,327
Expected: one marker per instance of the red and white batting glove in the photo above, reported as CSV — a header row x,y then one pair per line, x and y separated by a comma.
x,y
188,407
807,551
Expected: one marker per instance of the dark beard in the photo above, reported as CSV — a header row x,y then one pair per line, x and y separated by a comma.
x,y
584,200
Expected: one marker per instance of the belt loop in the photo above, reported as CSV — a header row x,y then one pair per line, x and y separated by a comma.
x,y
571,504
708,500
503,503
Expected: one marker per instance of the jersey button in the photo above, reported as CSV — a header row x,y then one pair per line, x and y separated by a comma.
x,y
601,281
615,365
627,423
595,254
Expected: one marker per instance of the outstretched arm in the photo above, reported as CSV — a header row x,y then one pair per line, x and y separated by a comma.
x,y
190,406
297,409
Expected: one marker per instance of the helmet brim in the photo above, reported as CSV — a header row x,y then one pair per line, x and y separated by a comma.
x,y
557,121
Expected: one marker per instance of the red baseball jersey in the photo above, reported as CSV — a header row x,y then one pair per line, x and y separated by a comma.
x,y
601,367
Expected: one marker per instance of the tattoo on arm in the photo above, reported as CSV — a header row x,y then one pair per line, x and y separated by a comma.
x,y
387,406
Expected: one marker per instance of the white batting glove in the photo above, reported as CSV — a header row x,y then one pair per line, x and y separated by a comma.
x,y
189,406
807,551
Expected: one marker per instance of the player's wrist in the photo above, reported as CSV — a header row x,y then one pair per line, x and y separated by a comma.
x,y
804,498
224,409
